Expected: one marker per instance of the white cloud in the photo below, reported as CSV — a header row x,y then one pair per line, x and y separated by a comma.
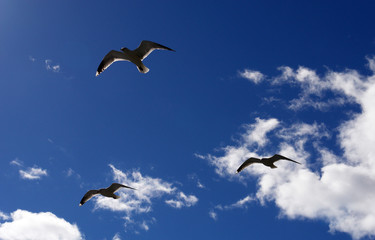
x,y
242,203
212,214
182,201
140,200
116,237
200,185
253,76
33,173
71,173
256,133
31,58
51,67
195,178
144,226
199,156
16,162
344,86
342,191
3,216
25,225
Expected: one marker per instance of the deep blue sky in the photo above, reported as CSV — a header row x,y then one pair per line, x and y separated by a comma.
x,y
192,103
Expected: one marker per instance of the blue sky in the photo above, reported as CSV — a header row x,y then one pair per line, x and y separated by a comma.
x,y
248,78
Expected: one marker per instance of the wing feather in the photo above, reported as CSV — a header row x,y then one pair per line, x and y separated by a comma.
x,y
116,186
111,57
278,157
247,163
88,196
146,47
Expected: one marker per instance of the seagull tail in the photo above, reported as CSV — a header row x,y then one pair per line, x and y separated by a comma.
x,y
143,69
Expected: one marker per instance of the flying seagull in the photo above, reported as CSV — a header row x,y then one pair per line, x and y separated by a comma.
x,y
269,162
135,56
107,192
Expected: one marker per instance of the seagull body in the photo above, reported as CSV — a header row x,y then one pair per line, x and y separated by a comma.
x,y
135,56
107,192
269,162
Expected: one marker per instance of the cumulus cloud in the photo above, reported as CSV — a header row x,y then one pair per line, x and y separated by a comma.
x,y
25,225
33,173
51,67
341,192
140,200
256,133
253,76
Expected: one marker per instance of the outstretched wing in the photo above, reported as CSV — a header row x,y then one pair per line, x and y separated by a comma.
x,y
110,58
146,47
278,157
88,195
248,162
116,186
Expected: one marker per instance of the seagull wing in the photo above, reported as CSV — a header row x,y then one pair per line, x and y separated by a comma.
x,y
146,47
278,157
88,195
116,186
111,57
248,162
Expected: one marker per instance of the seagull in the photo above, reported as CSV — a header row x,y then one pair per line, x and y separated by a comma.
x,y
135,56
107,192
269,162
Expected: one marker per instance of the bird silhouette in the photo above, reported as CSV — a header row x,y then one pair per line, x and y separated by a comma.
x,y
269,162
107,192
135,56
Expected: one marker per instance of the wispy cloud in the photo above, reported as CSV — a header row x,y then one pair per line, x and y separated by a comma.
x,y
33,173
71,173
182,201
4,216
31,58
301,192
213,215
51,67
116,237
345,86
140,201
242,203
253,76
23,224
195,178
16,162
